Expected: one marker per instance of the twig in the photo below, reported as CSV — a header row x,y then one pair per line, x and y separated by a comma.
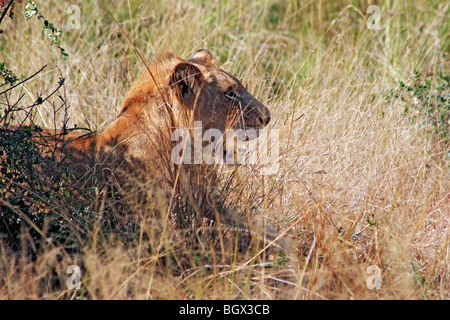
x,y
23,81
6,10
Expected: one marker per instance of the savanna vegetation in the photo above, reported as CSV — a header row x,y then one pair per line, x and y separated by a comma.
x,y
361,99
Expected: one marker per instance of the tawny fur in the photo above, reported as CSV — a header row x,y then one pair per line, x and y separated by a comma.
x,y
172,93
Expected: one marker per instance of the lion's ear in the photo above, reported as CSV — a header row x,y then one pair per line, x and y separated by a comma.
x,y
187,81
204,56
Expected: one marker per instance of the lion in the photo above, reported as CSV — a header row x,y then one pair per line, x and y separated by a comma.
x,y
172,93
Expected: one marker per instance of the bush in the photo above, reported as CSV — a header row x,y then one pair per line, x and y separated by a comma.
x,y
427,100
36,192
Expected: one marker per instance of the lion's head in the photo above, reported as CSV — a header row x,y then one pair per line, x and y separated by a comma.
x,y
200,88
217,98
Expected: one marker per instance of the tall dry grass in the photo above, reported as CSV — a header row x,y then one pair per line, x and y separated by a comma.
x,y
360,184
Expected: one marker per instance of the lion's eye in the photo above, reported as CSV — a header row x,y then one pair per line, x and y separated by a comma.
x,y
231,94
